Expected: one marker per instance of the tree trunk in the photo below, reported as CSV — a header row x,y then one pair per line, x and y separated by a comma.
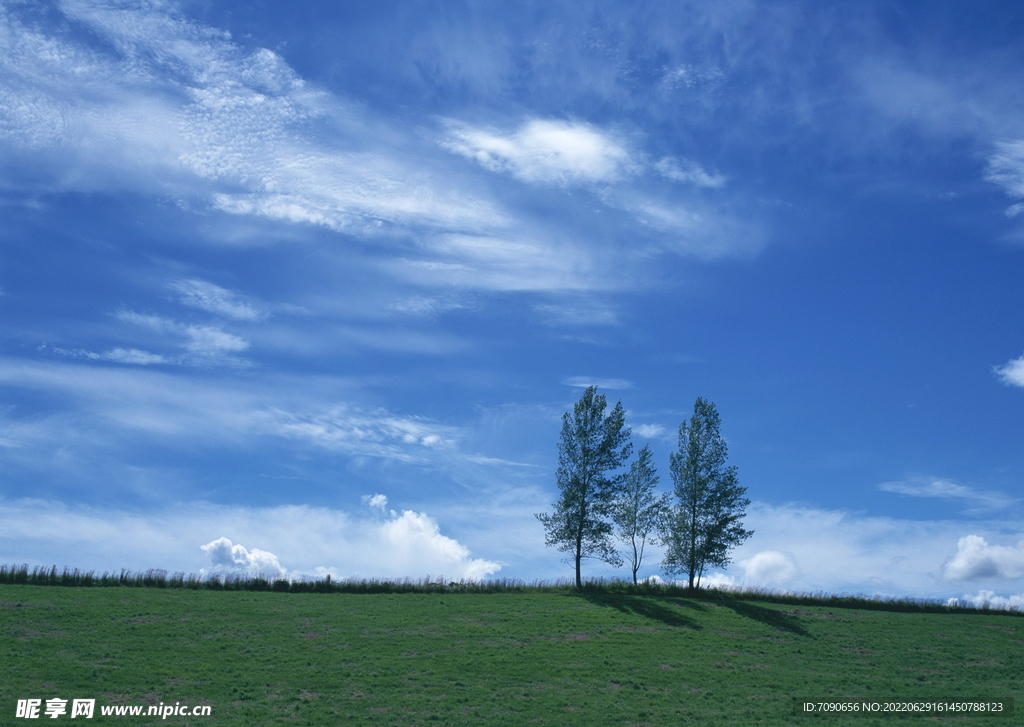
x,y
579,557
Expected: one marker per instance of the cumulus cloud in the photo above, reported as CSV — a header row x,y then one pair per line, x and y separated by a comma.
x,y
544,151
975,559
414,544
649,431
310,540
715,580
1012,373
990,599
376,502
768,568
215,299
226,556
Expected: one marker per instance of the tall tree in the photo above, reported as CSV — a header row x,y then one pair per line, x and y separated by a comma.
x,y
705,521
591,447
638,511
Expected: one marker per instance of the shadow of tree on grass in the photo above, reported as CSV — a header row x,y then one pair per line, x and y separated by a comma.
x,y
652,608
768,616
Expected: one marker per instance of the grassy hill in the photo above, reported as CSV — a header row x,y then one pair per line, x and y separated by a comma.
x,y
533,657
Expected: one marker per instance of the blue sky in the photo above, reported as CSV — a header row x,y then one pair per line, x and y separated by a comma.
x,y
308,287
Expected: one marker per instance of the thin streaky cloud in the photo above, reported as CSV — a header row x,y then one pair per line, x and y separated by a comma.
x,y
587,381
217,300
545,151
947,490
689,172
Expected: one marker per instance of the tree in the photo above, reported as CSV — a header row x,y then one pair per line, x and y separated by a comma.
x,y
705,522
591,446
638,511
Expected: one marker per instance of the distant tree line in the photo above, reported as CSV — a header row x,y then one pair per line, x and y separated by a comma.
x,y
598,502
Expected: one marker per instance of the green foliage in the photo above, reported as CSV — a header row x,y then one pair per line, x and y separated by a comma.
x,y
638,511
614,653
591,446
705,521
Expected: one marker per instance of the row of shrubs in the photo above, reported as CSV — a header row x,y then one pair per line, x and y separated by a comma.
x,y
156,578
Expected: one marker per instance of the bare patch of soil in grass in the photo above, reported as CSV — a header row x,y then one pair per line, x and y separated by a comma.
x,y
1007,629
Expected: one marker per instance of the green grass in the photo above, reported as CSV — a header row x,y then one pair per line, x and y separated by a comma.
x,y
522,656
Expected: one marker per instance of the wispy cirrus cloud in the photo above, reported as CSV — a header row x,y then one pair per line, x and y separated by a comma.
x,y
215,299
124,405
573,153
167,106
203,344
1006,169
934,487
586,381
347,429
545,151
689,172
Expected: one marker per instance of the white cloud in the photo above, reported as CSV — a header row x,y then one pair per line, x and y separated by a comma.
x,y
691,227
427,307
414,543
544,151
975,559
944,489
508,262
583,382
689,172
850,552
306,540
126,403
347,429
990,599
205,344
167,107
583,313
215,299
212,341
181,109
768,568
649,431
481,459
117,355
376,502
1012,373
134,356
226,556
1006,169
713,580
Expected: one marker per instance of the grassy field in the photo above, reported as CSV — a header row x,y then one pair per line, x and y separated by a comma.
x,y
526,658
